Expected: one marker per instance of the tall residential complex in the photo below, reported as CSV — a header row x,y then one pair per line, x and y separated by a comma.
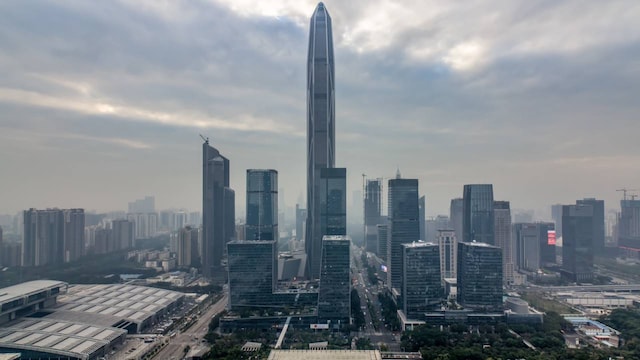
x,y
477,218
334,293
262,205
123,234
187,247
456,211
503,240
145,205
52,236
448,253
598,222
577,242
218,210
422,289
403,225
372,213
480,276
320,127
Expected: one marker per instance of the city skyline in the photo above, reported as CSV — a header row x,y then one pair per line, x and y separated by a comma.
x,y
432,83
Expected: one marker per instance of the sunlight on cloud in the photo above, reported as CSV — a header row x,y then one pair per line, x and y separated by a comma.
x,y
464,56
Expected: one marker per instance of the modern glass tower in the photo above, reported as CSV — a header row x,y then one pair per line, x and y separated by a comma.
x,y
252,272
334,294
421,279
262,205
372,211
477,217
577,243
218,210
479,276
320,127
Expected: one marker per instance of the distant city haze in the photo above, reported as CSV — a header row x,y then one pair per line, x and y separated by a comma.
x,y
97,110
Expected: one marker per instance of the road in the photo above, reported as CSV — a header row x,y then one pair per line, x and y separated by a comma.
x,y
368,291
192,336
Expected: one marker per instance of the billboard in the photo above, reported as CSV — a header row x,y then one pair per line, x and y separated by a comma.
x,y
319,326
551,237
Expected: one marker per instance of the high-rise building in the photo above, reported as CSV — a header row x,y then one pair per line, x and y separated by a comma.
x,y
187,247
218,210
262,205
598,223
123,234
320,128
577,243
422,211
534,245
145,224
503,240
332,218
628,226
253,273
372,213
422,289
547,243
404,225
556,215
301,218
456,213
145,205
435,224
334,293
477,219
480,276
52,236
383,238
448,254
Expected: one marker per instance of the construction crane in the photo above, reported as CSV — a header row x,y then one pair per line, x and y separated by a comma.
x,y
625,191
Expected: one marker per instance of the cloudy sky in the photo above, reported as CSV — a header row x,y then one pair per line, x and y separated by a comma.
x,y
101,102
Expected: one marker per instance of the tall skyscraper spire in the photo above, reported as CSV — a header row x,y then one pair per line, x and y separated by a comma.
x,y
320,127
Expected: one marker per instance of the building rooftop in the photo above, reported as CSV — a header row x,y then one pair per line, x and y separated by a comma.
x,y
12,292
325,355
336,237
417,244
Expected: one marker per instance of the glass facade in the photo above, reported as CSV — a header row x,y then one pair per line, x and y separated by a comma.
x,y
404,225
334,294
383,238
477,219
598,222
480,276
422,289
503,238
320,128
262,205
372,211
577,242
252,273
448,253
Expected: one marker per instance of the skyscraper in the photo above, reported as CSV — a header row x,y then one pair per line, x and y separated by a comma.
x,y
577,242
598,222
422,211
262,205
456,211
334,293
252,272
52,236
480,276
383,239
422,289
301,218
187,248
556,215
477,219
628,226
320,127
404,225
218,210
123,234
503,240
372,212
448,253
73,246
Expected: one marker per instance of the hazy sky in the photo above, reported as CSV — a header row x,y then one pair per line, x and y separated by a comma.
x,y
101,102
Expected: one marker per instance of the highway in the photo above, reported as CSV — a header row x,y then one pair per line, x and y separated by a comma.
x,y
192,336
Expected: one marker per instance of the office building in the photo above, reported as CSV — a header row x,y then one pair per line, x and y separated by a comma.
x,y
527,245
403,225
52,236
422,289
372,213
301,218
503,240
448,246
262,205
477,219
332,218
218,210
252,272
435,224
320,128
628,226
480,276
456,213
547,237
383,237
334,293
577,243
556,215
187,247
598,223
422,211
